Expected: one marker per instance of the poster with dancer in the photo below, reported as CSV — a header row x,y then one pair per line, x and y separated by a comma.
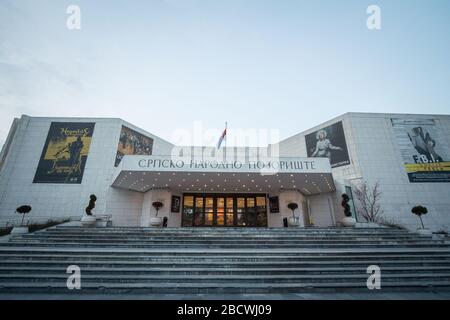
x,y
65,153
132,143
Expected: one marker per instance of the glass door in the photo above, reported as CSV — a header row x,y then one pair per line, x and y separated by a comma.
x,y
240,212
230,210
220,212
209,211
188,211
250,212
261,211
199,211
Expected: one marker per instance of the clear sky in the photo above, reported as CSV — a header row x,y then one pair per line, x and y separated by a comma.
x,y
162,65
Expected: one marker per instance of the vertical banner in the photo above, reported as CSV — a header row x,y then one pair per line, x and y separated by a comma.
x,y
175,204
424,150
65,153
132,143
329,142
274,205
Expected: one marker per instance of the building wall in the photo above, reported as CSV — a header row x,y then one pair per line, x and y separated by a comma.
x,y
375,157
381,161
285,197
373,151
57,201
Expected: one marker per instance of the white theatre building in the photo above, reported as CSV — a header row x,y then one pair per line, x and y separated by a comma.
x,y
55,164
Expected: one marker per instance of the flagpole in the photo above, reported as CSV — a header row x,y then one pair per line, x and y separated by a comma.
x,y
226,134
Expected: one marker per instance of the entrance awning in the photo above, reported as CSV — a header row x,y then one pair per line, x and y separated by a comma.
x,y
143,173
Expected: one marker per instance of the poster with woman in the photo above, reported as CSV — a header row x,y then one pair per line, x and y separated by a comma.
x,y
329,142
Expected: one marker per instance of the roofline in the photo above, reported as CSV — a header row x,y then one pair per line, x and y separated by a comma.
x,y
364,113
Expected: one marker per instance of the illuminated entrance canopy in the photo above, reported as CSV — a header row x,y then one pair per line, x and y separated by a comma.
x,y
263,166
196,174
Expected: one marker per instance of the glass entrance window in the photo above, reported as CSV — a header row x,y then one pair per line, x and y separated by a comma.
x,y
188,211
220,210
209,211
261,211
199,213
240,211
250,213
220,216
230,211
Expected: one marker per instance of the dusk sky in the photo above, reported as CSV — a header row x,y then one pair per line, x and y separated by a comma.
x,y
163,65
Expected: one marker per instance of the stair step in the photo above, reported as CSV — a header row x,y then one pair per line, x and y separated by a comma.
x,y
212,260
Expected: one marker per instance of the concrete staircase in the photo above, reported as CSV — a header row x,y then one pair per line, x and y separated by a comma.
x,y
222,261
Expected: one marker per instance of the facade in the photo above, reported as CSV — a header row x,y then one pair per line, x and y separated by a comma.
x,y
55,164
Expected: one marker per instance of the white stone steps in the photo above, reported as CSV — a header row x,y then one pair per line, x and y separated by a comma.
x,y
36,256
214,264
218,270
219,278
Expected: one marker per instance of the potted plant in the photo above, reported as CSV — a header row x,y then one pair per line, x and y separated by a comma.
x,y
419,211
293,221
156,221
23,210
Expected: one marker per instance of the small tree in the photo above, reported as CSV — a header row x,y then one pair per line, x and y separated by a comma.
x,y
293,206
157,205
369,201
419,211
23,210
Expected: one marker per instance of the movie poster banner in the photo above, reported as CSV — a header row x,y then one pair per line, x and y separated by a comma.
x,y
132,143
65,153
329,142
424,151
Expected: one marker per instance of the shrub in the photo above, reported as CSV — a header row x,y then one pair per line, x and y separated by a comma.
x,y
390,223
50,223
5,231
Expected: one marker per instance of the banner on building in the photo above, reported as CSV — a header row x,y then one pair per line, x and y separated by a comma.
x,y
424,150
132,143
65,153
329,142
274,205
175,204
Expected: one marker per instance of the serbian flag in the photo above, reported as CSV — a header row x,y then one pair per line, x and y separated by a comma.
x,y
222,137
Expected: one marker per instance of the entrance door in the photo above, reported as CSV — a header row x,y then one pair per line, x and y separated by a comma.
x,y
220,212
224,210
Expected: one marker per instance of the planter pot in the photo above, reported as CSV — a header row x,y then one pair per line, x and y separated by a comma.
x,y
439,236
348,222
101,223
368,225
425,232
88,221
155,222
294,222
19,230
